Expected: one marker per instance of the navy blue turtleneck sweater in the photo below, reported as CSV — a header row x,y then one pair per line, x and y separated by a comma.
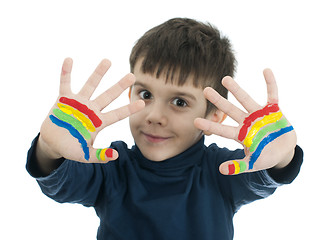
x,y
184,197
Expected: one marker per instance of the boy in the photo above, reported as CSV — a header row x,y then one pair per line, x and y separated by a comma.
x,y
168,185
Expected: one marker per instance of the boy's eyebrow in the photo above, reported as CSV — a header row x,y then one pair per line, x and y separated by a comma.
x,y
177,93
185,94
139,84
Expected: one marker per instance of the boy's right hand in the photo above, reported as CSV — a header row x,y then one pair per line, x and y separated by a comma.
x,y
74,121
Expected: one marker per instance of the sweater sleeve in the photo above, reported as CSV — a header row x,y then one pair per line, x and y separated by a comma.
x,y
71,182
245,188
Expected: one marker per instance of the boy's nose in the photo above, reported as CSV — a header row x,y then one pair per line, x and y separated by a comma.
x,y
157,114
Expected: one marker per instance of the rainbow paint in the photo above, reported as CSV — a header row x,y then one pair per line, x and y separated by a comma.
x,y
82,108
270,108
237,167
258,125
78,115
101,154
266,141
271,126
79,120
72,121
74,133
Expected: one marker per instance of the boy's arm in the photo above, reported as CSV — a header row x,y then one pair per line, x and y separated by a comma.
x,y
268,138
75,120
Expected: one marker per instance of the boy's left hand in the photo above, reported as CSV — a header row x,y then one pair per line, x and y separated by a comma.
x,y
267,137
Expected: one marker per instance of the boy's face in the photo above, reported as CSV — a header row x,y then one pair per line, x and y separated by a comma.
x,y
165,127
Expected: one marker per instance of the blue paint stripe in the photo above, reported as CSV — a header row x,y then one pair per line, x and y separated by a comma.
x,y
266,141
74,133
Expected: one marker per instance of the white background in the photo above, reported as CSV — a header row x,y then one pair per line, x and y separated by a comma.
x,y
293,38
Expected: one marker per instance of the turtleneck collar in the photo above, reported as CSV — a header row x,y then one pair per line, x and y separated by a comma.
x,y
185,159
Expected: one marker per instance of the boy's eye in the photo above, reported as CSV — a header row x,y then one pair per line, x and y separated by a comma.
x,y
179,102
144,94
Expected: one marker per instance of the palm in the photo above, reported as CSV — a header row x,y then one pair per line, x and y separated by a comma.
x,y
264,132
74,121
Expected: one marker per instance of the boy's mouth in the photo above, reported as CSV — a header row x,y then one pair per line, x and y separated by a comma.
x,y
154,138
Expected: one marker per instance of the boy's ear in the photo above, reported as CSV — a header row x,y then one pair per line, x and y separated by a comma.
x,y
216,116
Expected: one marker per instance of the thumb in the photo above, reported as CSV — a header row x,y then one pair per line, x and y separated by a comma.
x,y
233,167
102,155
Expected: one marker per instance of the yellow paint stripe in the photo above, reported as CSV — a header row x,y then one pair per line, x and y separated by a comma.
x,y
78,115
237,167
102,154
273,117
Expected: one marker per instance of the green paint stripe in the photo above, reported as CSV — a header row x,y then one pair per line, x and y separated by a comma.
x,y
243,166
72,121
271,128
98,153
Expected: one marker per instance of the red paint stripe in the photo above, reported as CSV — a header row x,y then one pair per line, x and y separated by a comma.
x,y
270,108
231,169
109,153
82,108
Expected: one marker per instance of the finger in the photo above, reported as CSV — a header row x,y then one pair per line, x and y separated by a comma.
x,y
272,88
233,167
65,88
216,128
242,96
93,81
123,112
224,105
115,91
102,155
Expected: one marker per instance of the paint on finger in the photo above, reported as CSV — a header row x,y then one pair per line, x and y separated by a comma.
x,y
104,154
237,167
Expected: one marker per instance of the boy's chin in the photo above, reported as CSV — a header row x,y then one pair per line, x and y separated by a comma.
x,y
157,156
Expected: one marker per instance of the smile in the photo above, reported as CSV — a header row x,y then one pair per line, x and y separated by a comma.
x,y
154,139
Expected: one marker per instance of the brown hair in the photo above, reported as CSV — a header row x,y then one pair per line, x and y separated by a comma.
x,y
183,47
